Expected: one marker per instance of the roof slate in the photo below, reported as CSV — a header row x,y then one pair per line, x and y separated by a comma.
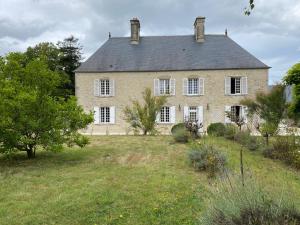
x,y
170,53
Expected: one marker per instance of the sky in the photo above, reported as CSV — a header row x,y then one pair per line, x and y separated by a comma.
x,y
271,32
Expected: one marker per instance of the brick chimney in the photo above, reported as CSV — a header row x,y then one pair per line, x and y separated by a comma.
x,y
199,28
135,31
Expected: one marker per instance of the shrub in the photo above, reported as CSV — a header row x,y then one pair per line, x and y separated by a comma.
x,y
230,131
216,129
207,158
181,135
285,149
244,138
177,126
250,206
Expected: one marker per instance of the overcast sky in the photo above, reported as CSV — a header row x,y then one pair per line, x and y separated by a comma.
x,y
271,33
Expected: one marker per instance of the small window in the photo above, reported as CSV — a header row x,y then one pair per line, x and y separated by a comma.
x,y
235,85
104,87
165,115
193,114
193,86
164,86
235,112
104,115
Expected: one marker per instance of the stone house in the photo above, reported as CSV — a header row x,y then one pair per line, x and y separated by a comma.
x,y
204,76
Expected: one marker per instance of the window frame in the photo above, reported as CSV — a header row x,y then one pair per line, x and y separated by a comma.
x,y
193,109
194,86
105,88
164,86
165,112
104,115
233,110
239,79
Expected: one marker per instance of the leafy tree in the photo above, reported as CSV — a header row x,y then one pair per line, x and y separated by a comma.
x,y
293,78
31,116
70,58
143,116
238,120
270,109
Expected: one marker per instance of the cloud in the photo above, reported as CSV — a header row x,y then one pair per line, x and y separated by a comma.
x,y
270,33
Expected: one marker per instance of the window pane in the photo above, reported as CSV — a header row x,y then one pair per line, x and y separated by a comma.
x,y
238,85
107,119
193,113
193,86
232,91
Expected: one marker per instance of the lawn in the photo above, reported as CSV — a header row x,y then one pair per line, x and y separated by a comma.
x,y
123,180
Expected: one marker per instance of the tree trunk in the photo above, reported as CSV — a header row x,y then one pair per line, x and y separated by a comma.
x,y
267,139
242,166
30,153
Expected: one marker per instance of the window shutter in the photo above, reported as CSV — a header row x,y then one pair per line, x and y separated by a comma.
x,y
157,119
244,113
227,109
227,85
111,87
244,85
96,87
185,113
112,114
172,86
185,86
201,86
96,115
156,87
173,114
200,116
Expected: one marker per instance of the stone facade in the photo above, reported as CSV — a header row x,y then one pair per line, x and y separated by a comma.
x,y
130,85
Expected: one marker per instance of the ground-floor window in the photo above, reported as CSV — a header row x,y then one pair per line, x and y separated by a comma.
x,y
193,113
104,114
236,112
165,114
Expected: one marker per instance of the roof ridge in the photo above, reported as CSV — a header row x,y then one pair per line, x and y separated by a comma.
x,y
180,35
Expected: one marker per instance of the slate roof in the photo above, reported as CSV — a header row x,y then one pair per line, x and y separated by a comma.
x,y
170,53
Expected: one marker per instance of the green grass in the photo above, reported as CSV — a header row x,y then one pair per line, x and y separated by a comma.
x,y
122,180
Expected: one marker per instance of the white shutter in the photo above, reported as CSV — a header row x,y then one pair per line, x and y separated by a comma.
x,y
185,113
201,86
157,119
172,86
185,86
227,109
200,116
96,115
96,87
156,87
172,114
227,85
244,113
244,85
112,114
111,87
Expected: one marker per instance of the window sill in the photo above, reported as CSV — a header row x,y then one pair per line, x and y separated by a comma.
x,y
164,123
104,96
191,95
236,94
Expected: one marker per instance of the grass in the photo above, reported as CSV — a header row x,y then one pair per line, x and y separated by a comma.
x,y
123,180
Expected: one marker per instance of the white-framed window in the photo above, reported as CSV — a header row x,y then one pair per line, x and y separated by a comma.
x,y
165,114
164,86
103,87
193,113
104,115
235,111
193,86
236,85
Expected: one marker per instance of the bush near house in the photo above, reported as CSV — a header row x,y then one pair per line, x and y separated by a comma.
x,y
176,127
207,158
250,205
216,129
230,131
181,135
244,138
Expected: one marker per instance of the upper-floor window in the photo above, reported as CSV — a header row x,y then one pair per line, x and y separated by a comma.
x,y
164,86
103,87
236,86
193,86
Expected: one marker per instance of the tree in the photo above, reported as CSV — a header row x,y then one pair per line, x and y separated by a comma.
x,y
70,58
143,117
238,120
31,116
250,7
293,78
270,109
